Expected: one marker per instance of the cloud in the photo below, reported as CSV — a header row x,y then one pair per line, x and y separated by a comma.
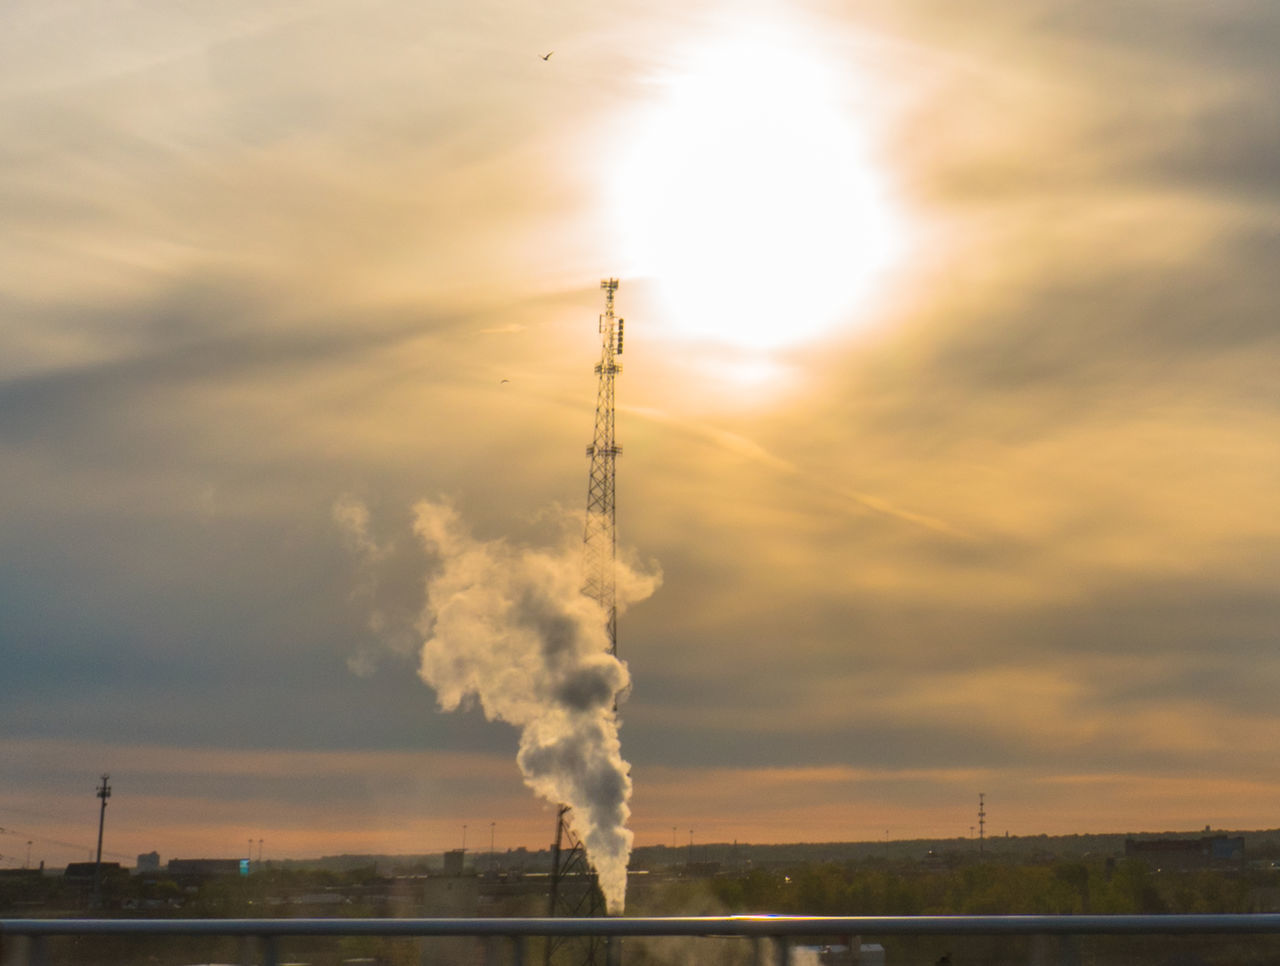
x,y
1034,475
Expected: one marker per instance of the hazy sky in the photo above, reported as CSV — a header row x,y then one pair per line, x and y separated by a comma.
x,y
949,409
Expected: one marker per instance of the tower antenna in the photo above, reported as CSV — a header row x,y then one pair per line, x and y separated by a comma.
x,y
574,890
599,538
982,818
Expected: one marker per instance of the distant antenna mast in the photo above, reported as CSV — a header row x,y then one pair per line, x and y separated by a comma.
x,y
982,818
574,890
600,535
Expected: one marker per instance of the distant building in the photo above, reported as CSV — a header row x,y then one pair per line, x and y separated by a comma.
x,y
453,861
85,871
79,878
199,870
149,862
1211,852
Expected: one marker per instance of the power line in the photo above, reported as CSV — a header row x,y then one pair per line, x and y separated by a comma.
x,y
61,843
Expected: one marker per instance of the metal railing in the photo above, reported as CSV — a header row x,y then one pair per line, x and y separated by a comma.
x,y
778,932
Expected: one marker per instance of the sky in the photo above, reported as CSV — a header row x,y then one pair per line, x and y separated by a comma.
x,y
948,412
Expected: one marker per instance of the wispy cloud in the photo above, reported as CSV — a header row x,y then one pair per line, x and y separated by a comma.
x,y
737,445
254,259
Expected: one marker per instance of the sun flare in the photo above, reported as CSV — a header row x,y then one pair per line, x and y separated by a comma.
x,y
748,195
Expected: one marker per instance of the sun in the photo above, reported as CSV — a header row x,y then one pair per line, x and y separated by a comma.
x,y
746,193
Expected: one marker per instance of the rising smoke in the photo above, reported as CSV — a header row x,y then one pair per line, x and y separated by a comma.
x,y
509,628
388,586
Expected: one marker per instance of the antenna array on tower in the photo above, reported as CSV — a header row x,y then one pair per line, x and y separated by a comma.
x,y
600,535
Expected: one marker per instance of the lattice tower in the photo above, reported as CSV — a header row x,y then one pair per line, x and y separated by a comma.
x,y
574,888
600,535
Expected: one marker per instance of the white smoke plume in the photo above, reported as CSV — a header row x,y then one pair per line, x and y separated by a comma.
x,y
388,585
509,627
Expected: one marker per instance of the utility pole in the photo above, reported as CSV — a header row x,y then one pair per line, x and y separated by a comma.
x,y
104,792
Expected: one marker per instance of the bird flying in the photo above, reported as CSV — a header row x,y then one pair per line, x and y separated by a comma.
x,y
547,55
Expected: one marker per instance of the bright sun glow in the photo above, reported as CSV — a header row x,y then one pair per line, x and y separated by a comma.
x,y
749,198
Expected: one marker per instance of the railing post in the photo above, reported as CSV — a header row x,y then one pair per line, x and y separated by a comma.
x,y
781,950
517,950
21,950
270,954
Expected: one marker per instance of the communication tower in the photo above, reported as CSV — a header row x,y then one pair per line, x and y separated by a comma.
x,y
982,819
600,535
574,890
